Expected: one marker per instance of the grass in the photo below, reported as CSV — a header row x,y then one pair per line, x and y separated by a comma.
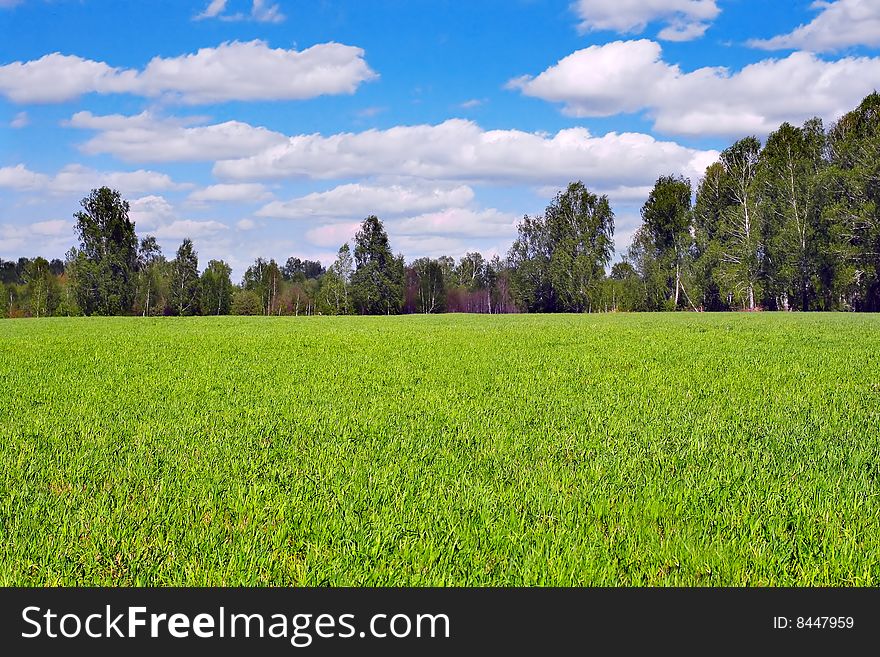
x,y
455,450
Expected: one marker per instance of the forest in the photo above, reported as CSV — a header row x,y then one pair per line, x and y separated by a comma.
x,y
791,224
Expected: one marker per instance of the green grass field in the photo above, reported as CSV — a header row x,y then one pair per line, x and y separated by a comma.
x,y
455,450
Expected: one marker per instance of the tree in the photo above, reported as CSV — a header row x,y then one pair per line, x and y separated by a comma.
x,y
337,281
529,259
185,280
788,172
666,236
560,258
303,269
41,288
741,231
624,291
216,288
851,208
246,302
707,250
265,279
431,288
377,283
106,262
151,282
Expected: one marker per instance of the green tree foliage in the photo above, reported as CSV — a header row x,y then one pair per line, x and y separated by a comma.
x,y
106,261
265,279
559,258
624,289
663,243
185,280
42,288
788,172
377,283
296,269
152,279
430,286
246,302
741,231
216,288
851,208
334,293
707,250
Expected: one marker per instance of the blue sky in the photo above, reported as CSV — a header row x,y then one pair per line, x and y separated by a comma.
x,y
270,128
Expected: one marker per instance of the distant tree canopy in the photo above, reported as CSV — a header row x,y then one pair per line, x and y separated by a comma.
x,y
377,282
791,224
105,265
559,258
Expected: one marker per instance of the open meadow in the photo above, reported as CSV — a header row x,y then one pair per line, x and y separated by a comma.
x,y
678,449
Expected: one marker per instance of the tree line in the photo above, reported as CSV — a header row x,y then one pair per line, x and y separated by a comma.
x,y
793,224
112,272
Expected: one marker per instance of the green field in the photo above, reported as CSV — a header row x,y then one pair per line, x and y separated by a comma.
x,y
455,450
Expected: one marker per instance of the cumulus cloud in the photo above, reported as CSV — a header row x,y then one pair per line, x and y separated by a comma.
x,y
839,24
189,228
459,222
235,70
54,228
254,71
147,138
683,19
57,78
52,236
231,193
358,200
20,178
76,178
631,76
150,212
461,150
154,214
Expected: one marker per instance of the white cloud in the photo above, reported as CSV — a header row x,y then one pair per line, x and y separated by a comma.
x,y
214,9
75,178
20,120
461,150
145,138
458,222
264,12
193,229
261,12
630,76
21,178
332,235
46,237
840,24
231,71
684,19
254,71
231,193
80,179
154,214
150,212
246,224
54,228
359,200
57,78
